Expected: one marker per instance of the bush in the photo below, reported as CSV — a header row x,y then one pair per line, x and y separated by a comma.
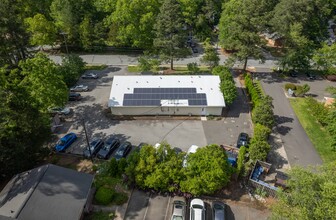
x,y
290,86
254,92
193,67
263,112
302,90
241,160
104,196
120,198
261,132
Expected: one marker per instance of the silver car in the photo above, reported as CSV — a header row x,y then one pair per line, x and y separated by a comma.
x,y
79,88
218,211
90,76
59,110
179,204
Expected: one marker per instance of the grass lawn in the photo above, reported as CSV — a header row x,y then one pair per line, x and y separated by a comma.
x,y
177,69
316,133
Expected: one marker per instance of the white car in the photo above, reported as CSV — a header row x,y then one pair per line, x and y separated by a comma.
x,y
192,149
179,205
197,210
79,88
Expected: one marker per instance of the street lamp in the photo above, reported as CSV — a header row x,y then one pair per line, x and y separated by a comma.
x,y
66,45
87,139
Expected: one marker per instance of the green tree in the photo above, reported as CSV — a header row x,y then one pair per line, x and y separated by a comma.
x,y
207,171
23,128
210,56
71,69
303,25
325,58
258,149
241,161
263,112
310,194
133,21
43,81
240,26
14,40
43,32
261,132
170,33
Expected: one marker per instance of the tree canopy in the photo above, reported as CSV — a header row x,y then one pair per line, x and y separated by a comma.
x,y
311,194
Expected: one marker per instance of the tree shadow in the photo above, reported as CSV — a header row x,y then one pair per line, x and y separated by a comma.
x,y
283,130
282,119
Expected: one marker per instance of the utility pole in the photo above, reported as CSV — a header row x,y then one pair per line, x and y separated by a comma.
x,y
87,139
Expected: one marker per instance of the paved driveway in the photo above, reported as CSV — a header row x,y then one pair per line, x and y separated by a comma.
x,y
178,133
299,149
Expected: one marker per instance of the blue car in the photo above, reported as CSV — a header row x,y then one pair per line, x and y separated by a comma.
x,y
65,142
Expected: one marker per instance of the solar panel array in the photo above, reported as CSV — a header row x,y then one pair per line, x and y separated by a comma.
x,y
153,96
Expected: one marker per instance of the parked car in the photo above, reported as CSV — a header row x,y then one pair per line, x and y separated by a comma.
x,y
310,76
141,145
218,211
192,149
243,140
75,97
90,76
59,110
79,88
110,145
179,206
65,142
293,73
95,146
197,210
123,150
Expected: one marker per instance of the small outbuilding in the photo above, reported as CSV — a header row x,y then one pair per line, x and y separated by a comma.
x,y
46,192
166,95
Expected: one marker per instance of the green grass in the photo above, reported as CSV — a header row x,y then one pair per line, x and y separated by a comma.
x,y
95,67
316,133
100,216
177,69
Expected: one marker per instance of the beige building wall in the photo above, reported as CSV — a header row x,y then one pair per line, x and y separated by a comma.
x,y
164,110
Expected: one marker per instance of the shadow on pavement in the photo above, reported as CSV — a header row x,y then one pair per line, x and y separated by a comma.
x,y
229,213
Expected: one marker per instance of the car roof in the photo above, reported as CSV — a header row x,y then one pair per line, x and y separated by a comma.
x,y
197,202
193,149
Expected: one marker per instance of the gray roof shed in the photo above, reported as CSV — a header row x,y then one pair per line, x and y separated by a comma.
x,y
46,192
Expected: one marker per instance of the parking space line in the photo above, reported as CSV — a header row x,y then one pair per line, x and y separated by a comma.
x,y
147,207
167,208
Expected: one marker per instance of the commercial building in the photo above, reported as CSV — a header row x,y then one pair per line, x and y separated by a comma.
x,y
166,95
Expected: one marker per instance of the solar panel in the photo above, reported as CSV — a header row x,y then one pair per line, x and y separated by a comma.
x,y
153,96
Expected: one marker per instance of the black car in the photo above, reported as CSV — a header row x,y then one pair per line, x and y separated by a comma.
x,y
293,73
75,97
243,140
95,146
110,145
310,76
123,150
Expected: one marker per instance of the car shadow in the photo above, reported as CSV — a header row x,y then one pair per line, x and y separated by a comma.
x,y
229,213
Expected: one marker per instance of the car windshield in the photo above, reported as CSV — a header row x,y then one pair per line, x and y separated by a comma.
x,y
217,206
61,142
197,207
120,152
175,217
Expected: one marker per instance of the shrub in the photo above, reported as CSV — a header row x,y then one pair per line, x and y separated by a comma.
x,y
263,112
258,149
302,90
104,196
318,110
261,132
290,86
255,95
241,160
120,198
193,67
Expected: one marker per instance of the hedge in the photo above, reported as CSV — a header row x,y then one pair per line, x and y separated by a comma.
x,y
104,196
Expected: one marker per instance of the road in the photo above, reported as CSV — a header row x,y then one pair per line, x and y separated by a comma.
x,y
299,149
125,60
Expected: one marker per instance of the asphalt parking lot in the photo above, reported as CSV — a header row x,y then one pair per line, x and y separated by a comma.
x,y
92,109
144,206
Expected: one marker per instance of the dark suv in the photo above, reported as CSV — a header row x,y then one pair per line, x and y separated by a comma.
x,y
75,97
243,140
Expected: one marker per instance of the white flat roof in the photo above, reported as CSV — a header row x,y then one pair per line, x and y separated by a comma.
x,y
205,86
